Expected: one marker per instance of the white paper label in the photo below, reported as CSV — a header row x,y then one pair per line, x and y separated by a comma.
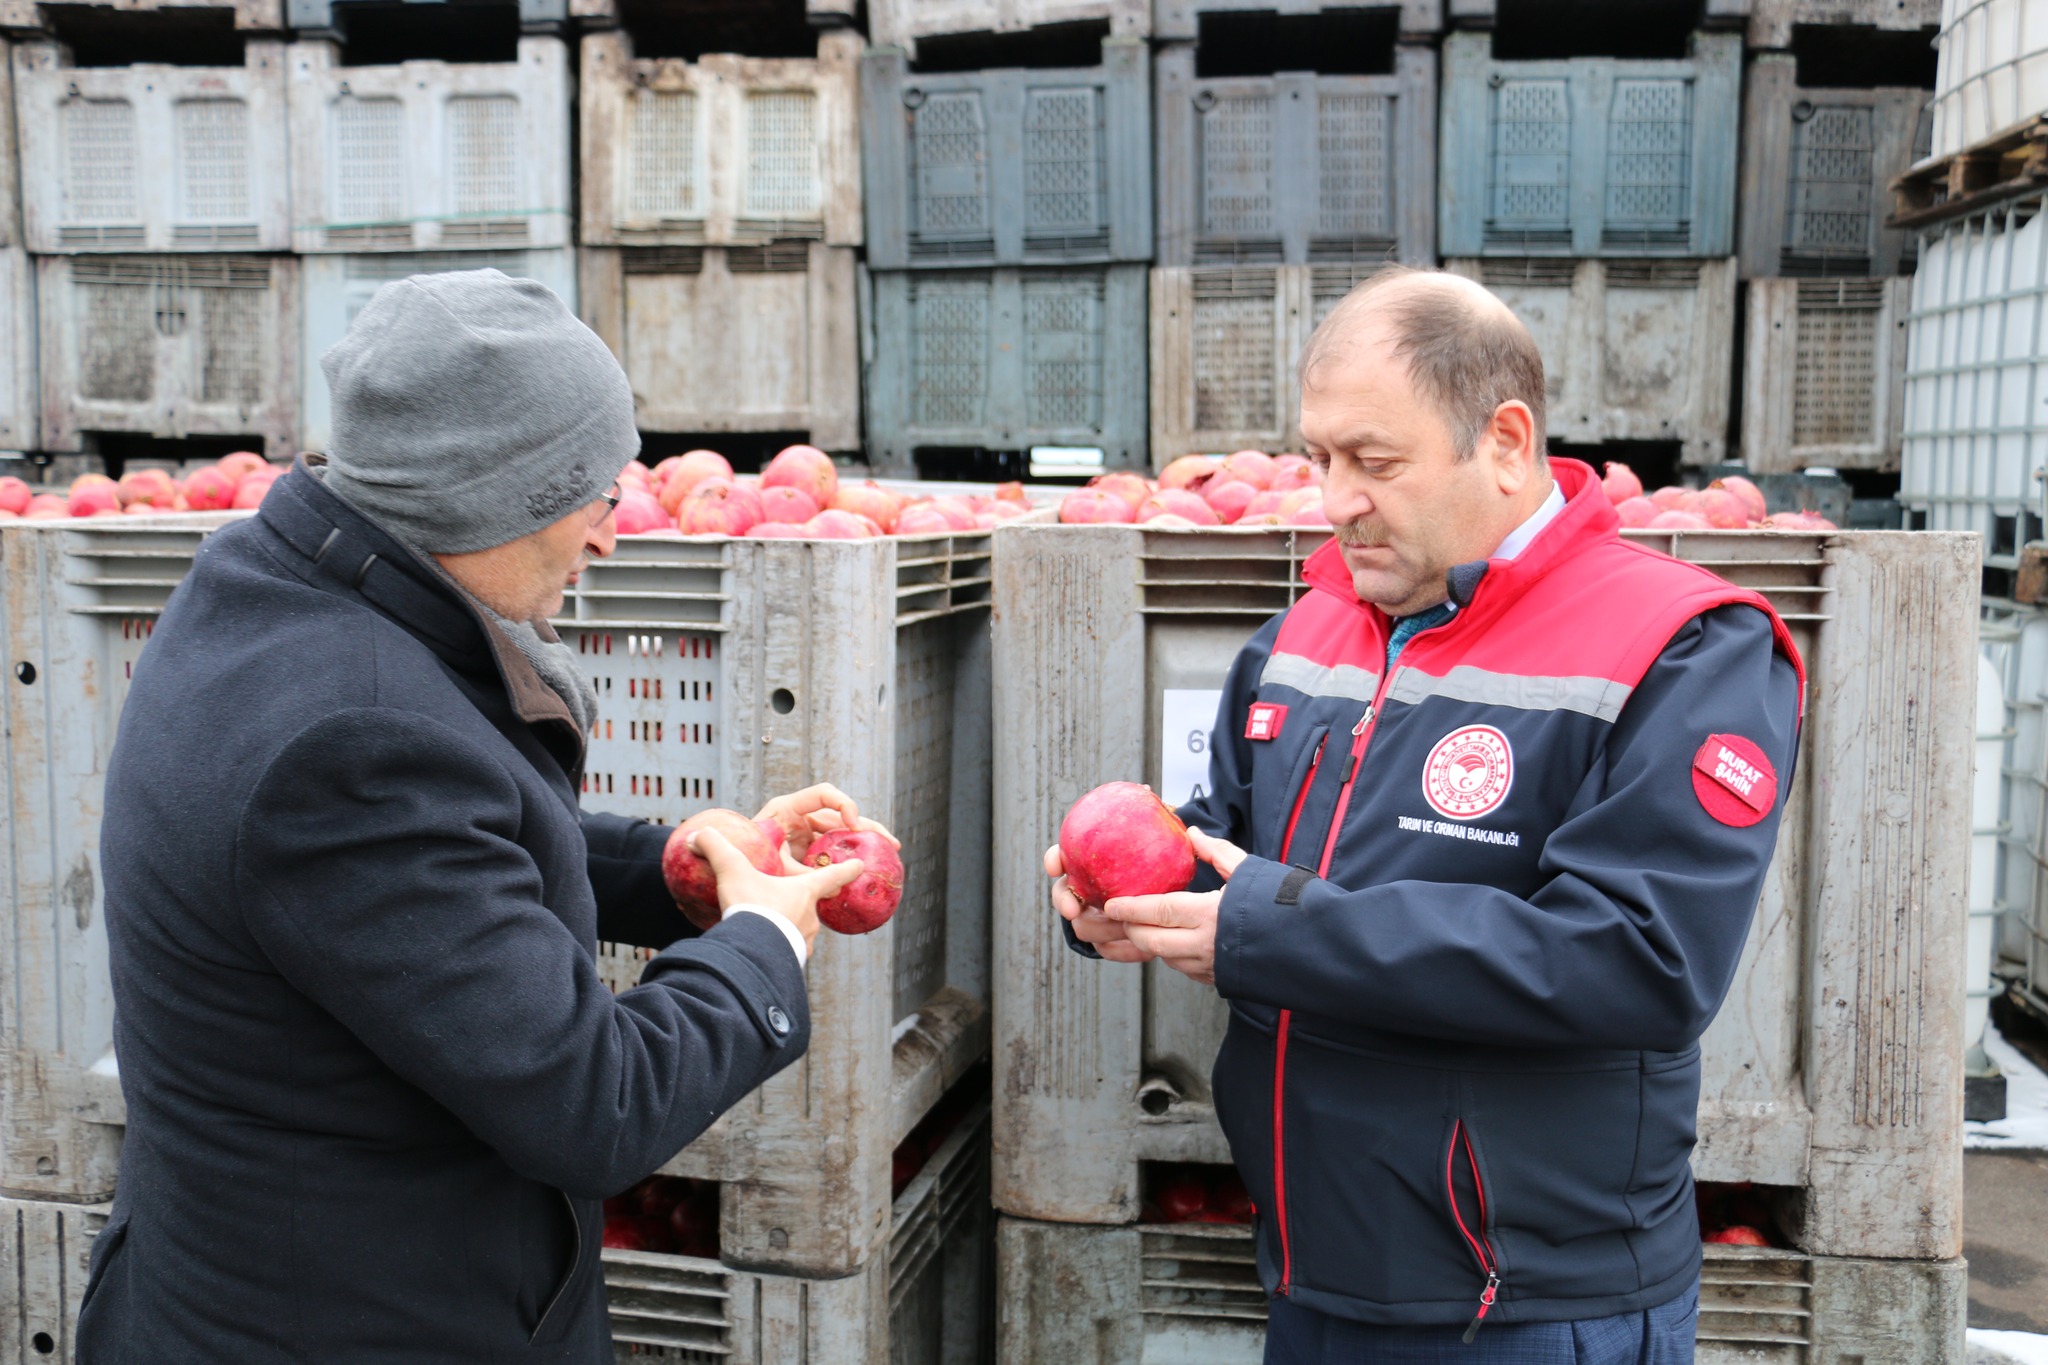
x,y
1186,713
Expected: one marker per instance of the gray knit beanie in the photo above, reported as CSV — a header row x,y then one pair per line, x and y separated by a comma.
x,y
471,409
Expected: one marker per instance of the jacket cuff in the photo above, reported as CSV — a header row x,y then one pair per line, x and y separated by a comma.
x,y
789,931
1259,890
749,955
1087,950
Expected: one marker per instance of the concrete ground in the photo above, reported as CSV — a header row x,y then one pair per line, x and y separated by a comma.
x,y
2005,1217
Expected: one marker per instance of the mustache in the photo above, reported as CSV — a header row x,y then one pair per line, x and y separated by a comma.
x,y
1362,534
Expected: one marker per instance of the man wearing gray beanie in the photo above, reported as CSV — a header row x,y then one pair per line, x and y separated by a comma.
x,y
375,1087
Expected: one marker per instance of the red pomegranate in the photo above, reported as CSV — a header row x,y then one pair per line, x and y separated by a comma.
x,y
1752,497
1228,497
209,490
1680,521
1132,488
806,468
1722,509
1122,840
719,507
1178,502
690,879
836,525
14,495
1189,472
867,903
923,519
872,501
1254,467
1093,506
639,513
240,464
780,502
686,471
1291,472
1637,511
1621,483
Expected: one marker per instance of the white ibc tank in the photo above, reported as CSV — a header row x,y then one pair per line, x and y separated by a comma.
x,y
1993,69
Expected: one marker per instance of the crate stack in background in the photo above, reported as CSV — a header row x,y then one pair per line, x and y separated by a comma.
x,y
1975,441
17,292
1596,196
155,214
1009,223
1831,112
1296,154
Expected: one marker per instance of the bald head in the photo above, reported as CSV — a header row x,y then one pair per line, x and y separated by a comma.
x,y
1465,350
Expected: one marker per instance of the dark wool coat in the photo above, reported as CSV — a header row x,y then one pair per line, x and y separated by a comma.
x,y
375,1087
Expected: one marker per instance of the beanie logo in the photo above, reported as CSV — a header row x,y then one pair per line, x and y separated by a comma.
x,y
549,502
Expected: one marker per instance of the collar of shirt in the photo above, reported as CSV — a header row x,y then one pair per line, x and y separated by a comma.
x,y
1518,540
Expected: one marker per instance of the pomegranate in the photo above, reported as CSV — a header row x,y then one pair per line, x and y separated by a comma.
x,y
1189,472
806,468
783,503
866,904
1310,514
625,1234
209,490
1722,509
777,530
251,491
1265,503
1740,1235
1013,492
1752,497
922,519
1254,467
1294,499
1230,1199
1637,511
1004,511
1181,1201
1122,840
1291,472
639,513
1672,498
1621,483
45,505
836,525
239,465
1228,497
719,507
690,879
151,487
1680,521
958,511
686,471
1799,521
872,501
1092,506
1132,488
93,499
1178,502
14,495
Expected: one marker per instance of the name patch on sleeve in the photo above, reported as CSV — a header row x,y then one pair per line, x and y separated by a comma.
x,y
1265,721
1735,782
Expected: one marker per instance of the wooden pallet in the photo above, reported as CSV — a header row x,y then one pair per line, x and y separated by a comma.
x,y
1941,188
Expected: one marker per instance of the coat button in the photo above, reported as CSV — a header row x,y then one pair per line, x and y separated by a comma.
x,y
777,1020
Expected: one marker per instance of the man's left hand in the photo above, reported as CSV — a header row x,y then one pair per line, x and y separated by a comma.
x,y
1179,928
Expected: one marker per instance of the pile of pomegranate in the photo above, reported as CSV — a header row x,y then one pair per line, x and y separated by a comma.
x,y
1183,1192
797,497
665,1213
1733,1213
238,481
862,907
1732,503
1249,488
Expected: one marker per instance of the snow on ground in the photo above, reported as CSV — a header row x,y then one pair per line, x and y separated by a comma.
x,y
2025,1125
2007,1348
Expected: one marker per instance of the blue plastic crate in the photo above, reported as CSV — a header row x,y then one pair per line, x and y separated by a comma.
x,y
1294,168
1593,156
1009,167
1007,359
1815,169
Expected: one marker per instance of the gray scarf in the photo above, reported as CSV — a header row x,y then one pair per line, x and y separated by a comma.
x,y
556,664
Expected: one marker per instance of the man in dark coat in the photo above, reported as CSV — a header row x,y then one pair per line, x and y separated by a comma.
x,y
375,1086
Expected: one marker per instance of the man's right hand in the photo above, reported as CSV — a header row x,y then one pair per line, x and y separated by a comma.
x,y
795,897
1091,926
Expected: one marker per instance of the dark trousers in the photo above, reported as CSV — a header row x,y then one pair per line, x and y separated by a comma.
x,y
1655,1336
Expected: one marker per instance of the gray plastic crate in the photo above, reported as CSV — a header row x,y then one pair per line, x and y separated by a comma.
x,y
1976,424
724,151
1224,344
1182,19
727,671
900,23
1816,165
1288,169
1824,373
18,426
312,18
153,158
170,346
260,16
740,338
1010,167
44,1250
1188,1294
430,155
927,1298
1771,21
1633,349
10,170
1589,157
1835,1064
1006,360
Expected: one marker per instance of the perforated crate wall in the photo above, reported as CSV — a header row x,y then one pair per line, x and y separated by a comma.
x,y
169,346
157,158
1588,157
44,1254
731,671
724,150
743,338
429,155
1976,425
1007,360
337,287
77,605
1632,349
900,23
1816,165
1266,170
1824,365
1834,1063
18,425
1008,167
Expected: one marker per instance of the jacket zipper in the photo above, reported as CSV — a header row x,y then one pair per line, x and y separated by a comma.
x,y
1301,797
1475,1238
1280,1044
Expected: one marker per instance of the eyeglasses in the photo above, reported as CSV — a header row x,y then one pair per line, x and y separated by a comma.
x,y
610,498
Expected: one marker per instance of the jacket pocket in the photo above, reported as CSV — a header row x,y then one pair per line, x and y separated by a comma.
x,y
556,1311
1465,1193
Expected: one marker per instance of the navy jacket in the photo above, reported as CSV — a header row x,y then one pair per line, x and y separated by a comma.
x,y
1494,897
375,1086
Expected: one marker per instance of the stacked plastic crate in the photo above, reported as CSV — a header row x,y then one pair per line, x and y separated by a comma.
x,y
720,221
155,210
1596,195
1296,155
1826,282
17,291
1009,220
420,166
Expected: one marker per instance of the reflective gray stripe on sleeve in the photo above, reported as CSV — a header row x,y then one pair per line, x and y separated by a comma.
x,y
1595,697
1319,680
